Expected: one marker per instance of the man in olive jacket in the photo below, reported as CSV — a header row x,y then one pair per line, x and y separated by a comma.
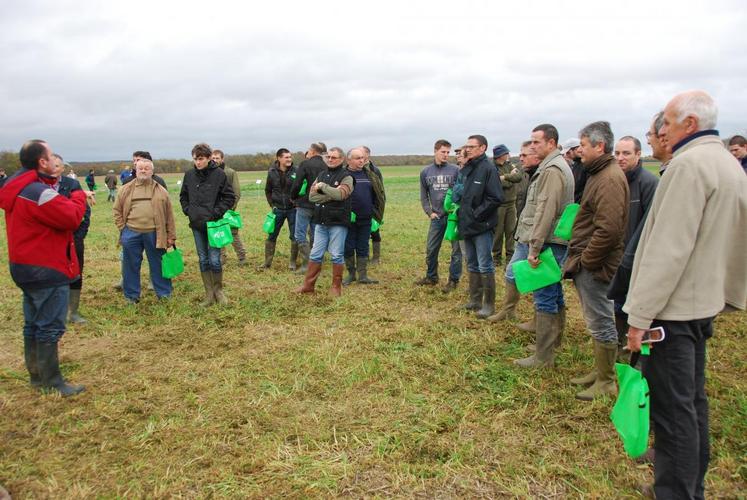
x,y
550,191
689,266
478,193
510,178
596,250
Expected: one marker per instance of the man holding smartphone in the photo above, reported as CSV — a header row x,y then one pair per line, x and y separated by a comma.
x,y
689,266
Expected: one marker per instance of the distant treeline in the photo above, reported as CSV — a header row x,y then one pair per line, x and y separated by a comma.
x,y
260,161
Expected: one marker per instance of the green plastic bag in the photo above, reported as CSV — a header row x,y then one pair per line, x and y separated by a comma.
x,y
452,227
172,263
304,187
564,229
233,218
630,415
219,233
375,225
269,225
449,205
353,217
529,279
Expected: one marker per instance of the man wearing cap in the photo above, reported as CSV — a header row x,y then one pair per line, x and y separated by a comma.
x,y
111,183
510,177
572,155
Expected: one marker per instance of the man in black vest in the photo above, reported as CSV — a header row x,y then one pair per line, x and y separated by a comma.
x,y
330,194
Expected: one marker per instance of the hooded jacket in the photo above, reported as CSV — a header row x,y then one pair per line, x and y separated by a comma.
x,y
205,195
39,224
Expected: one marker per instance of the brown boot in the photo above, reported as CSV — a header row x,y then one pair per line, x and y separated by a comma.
x,y
604,360
337,270
309,281
508,311
547,334
293,265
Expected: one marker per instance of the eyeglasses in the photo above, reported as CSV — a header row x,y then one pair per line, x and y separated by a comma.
x,y
469,147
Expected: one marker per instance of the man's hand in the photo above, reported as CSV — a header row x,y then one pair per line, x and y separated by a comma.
x,y
318,186
634,338
533,261
90,197
434,216
170,242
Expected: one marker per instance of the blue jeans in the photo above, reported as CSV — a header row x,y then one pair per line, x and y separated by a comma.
x,y
133,244
550,298
303,221
435,238
479,253
281,215
209,256
356,242
44,312
329,238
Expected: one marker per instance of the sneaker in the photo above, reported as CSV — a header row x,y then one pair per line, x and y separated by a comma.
x,y
450,286
426,282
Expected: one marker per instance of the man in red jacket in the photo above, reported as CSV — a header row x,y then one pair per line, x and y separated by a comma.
x,y
39,225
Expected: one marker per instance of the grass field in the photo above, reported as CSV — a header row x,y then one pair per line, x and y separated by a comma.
x,y
391,390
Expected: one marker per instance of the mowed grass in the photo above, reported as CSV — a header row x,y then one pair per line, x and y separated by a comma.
x,y
391,390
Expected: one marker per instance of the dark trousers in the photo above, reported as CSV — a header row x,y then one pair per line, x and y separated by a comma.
x,y
281,215
675,372
356,242
80,250
376,236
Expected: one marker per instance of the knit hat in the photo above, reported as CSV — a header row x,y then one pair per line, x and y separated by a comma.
x,y
500,150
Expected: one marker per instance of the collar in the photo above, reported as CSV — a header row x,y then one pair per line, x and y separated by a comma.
x,y
476,160
599,163
692,137
632,174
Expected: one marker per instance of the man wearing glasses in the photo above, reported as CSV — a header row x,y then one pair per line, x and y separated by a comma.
x,y
479,194
330,194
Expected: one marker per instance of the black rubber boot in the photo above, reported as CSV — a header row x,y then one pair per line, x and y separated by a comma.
x,y
303,250
29,354
475,292
49,370
293,265
488,296
363,278
269,253
350,266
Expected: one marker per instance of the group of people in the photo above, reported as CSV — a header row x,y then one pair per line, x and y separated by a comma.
x,y
644,252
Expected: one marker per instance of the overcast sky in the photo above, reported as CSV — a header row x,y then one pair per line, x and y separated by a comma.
x,y
99,80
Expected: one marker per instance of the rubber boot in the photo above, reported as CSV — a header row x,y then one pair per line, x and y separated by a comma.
x,y
510,301
74,304
376,253
309,281
605,356
207,281
475,292
488,296
336,288
303,250
49,370
269,253
363,278
350,265
29,355
528,326
546,336
218,289
293,265
561,326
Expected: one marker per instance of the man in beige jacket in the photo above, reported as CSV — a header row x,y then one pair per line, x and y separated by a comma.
x,y
689,266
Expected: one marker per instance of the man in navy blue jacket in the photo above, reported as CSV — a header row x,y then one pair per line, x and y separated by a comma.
x,y
479,194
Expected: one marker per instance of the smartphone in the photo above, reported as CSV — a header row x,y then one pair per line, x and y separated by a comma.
x,y
653,335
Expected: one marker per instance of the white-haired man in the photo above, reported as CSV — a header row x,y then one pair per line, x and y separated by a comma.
x,y
689,266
